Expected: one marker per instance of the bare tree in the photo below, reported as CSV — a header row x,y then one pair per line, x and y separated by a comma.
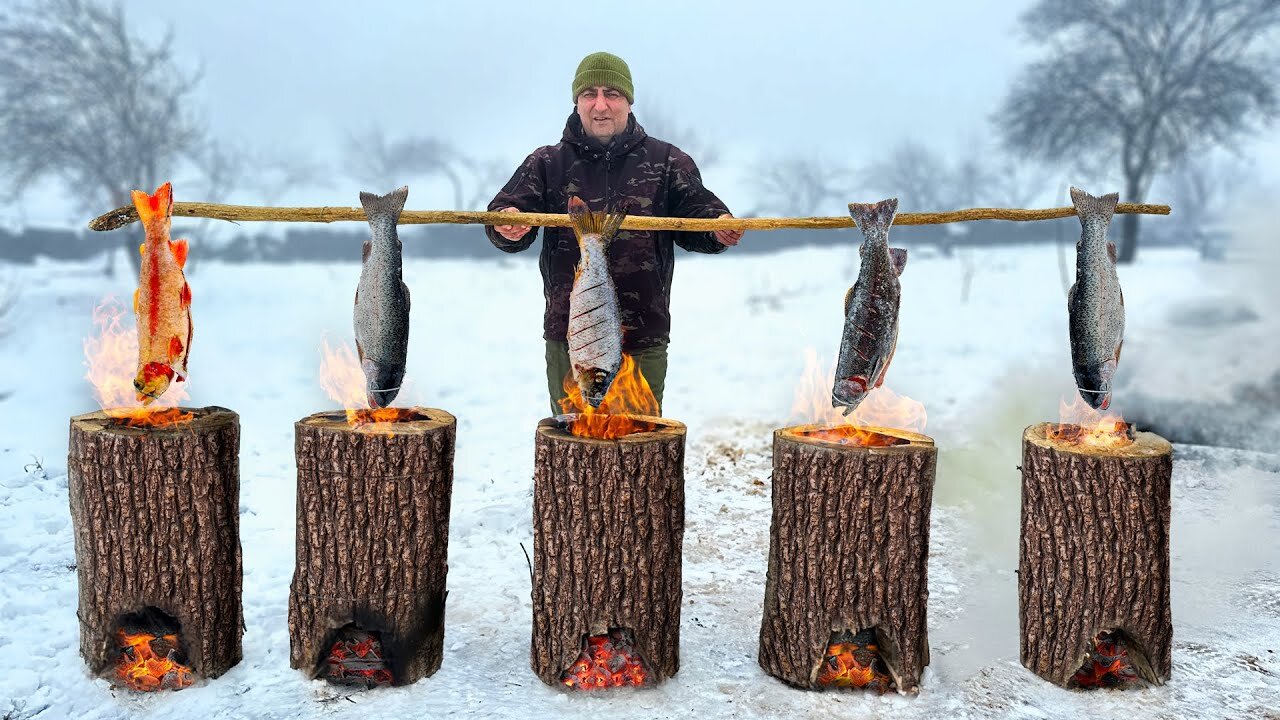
x,y
85,101
1201,188
800,185
1142,82
915,174
375,159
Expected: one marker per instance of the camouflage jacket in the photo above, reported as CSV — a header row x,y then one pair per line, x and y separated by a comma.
x,y
657,178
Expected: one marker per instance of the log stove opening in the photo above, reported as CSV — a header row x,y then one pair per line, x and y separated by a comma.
x,y
856,660
150,653
356,657
1114,661
608,659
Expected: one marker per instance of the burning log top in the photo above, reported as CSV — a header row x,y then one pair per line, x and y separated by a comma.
x,y
1125,442
178,421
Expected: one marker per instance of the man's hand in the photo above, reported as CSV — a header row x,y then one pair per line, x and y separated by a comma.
x,y
515,232
728,238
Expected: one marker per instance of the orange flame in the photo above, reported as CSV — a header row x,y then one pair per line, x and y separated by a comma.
x,y
606,661
854,665
111,356
358,659
140,668
882,407
344,382
1082,425
1109,665
628,395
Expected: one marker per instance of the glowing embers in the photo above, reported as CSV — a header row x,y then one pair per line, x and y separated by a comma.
x,y
357,417
356,658
854,661
1109,666
852,435
150,654
1082,426
606,661
629,395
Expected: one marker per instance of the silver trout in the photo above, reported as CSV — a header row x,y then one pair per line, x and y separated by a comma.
x,y
382,300
870,308
595,326
1095,304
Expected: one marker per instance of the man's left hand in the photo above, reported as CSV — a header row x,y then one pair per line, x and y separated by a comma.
x,y
728,238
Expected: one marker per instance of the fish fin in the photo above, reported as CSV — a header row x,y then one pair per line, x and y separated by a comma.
x,y
873,214
613,221
390,204
357,302
179,249
151,206
1089,206
364,257
184,296
848,300
142,249
186,353
1118,348
1111,252
1071,297
898,258
405,288
584,221
175,348
360,351
135,301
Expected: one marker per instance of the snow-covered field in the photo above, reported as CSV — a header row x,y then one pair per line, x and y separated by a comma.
x,y
984,368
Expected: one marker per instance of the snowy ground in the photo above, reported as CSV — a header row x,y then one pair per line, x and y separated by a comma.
x,y
985,368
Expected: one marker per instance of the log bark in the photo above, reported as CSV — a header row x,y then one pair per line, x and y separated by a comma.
x,y
372,538
1094,553
238,213
156,516
608,528
848,550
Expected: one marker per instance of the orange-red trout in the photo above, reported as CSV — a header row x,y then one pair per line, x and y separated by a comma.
x,y
162,301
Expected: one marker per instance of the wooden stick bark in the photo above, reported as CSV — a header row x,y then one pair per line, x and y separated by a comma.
x,y
123,216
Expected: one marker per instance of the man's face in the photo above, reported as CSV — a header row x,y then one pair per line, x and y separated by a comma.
x,y
603,111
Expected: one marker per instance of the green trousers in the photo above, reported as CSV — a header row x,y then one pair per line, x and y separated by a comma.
x,y
652,362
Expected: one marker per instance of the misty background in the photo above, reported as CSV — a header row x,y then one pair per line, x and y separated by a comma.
x,y
788,111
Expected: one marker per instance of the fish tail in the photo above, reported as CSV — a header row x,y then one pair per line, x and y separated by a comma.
x,y
1090,207
152,206
390,204
869,215
613,221
584,221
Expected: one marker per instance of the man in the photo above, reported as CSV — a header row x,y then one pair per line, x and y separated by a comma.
x,y
606,158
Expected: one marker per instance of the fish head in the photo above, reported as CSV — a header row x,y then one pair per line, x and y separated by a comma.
x,y
594,384
152,381
1094,384
849,392
382,382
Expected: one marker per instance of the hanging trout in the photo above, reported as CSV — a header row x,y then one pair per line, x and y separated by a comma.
x,y
162,301
382,300
595,327
1095,304
870,308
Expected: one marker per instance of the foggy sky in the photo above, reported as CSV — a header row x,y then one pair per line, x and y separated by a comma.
x,y
847,80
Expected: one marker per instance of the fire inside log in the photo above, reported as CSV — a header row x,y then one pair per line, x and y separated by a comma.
x,y
608,524
848,551
356,658
607,661
1094,557
150,653
853,660
372,537
156,515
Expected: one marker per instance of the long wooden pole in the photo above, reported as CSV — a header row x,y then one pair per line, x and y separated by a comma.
x,y
123,216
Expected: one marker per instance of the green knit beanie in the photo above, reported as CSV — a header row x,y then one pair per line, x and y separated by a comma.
x,y
603,68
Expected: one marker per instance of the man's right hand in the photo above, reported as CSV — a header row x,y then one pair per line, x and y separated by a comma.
x,y
511,232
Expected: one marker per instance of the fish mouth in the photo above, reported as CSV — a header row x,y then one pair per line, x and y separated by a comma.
x,y
1097,399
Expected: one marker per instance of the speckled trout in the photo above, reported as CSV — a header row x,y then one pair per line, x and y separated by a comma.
x,y
162,301
595,326
1095,304
870,308
382,300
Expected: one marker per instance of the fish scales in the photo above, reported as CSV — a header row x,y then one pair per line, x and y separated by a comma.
x,y
1095,304
871,308
162,302
595,323
381,317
